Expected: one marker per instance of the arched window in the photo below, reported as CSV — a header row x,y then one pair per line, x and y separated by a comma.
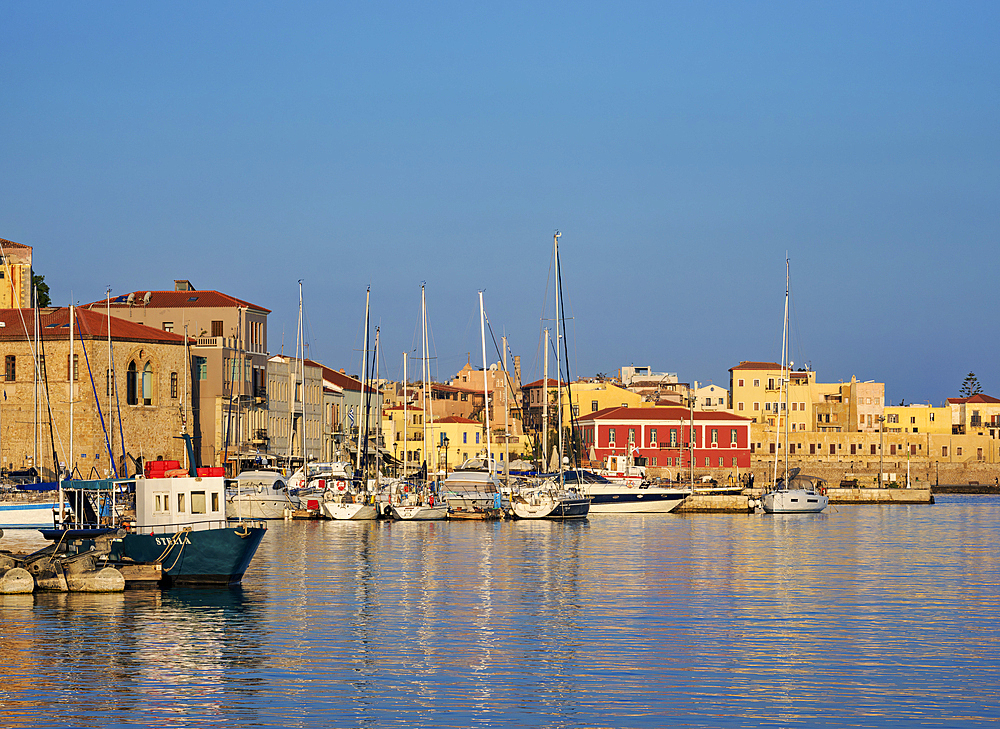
x,y
131,385
147,384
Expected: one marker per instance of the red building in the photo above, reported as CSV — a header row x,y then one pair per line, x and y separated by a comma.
x,y
661,435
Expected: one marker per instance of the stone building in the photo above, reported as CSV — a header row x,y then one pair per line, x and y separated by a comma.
x,y
229,360
132,409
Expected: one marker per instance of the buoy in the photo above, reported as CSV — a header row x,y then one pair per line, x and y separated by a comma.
x,y
16,581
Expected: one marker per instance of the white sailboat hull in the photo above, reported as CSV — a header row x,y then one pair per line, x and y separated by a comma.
x,y
257,506
348,512
794,501
420,512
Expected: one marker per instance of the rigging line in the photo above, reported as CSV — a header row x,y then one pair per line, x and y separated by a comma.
x,y
93,386
510,382
48,404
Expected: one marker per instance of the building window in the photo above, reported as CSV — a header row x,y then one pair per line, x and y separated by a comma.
x,y
739,406
132,385
216,328
631,436
201,367
756,406
173,384
756,383
477,437
722,462
944,451
652,438
611,436
168,326
931,416
673,437
593,406
732,436
739,383
958,451
10,367
707,462
465,438
715,436
147,384
74,368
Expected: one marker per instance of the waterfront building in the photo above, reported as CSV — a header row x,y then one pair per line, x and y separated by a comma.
x,y
917,418
668,438
661,387
128,384
711,397
15,275
229,361
978,415
295,410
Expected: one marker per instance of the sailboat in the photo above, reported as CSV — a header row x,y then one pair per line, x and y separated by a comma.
x,y
792,493
420,503
554,498
354,503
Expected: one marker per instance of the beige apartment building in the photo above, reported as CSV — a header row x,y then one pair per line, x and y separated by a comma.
x,y
228,362
15,275
109,407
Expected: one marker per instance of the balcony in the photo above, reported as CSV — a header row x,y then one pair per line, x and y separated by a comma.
x,y
259,436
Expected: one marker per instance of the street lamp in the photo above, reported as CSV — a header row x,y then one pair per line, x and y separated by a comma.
x,y
444,442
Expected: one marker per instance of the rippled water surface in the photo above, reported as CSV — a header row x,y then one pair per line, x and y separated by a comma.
x,y
862,616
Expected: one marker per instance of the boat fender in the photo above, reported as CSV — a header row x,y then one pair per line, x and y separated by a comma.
x,y
822,490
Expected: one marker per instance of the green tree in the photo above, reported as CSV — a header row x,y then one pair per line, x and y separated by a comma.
x,y
970,386
42,289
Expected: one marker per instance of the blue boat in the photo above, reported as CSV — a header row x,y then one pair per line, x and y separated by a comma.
x,y
179,523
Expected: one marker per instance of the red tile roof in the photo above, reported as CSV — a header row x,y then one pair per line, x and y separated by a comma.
x,y
11,244
979,398
89,325
178,299
456,419
756,366
539,383
345,382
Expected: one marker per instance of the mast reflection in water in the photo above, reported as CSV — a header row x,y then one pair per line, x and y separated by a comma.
x,y
863,616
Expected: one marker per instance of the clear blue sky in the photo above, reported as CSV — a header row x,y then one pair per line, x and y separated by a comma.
x,y
681,148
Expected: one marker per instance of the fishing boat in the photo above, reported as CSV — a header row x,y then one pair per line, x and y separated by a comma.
x,y
790,494
259,495
555,497
179,523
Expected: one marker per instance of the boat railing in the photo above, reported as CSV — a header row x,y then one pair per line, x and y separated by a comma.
x,y
154,529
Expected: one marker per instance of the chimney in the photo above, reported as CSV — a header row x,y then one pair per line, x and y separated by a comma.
x,y
182,285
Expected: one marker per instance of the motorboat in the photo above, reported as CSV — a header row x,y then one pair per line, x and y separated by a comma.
x,y
608,497
259,495
472,491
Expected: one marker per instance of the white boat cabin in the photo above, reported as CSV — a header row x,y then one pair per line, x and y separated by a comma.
x,y
199,502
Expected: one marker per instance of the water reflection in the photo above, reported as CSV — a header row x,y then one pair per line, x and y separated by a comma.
x,y
860,617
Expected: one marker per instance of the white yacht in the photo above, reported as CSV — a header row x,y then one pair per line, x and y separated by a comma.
x,y
258,495
608,497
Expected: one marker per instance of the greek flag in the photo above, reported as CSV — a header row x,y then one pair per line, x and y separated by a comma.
x,y
350,415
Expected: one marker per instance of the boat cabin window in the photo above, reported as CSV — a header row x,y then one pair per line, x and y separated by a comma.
x,y
180,504
215,501
198,502
161,503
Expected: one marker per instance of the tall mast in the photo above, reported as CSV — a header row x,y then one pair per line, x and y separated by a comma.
x,y
405,415
545,405
559,336
34,458
486,388
111,391
506,411
784,386
424,375
364,368
378,416
72,380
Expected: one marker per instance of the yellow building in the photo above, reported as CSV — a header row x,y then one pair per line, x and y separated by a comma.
x,y
918,419
15,275
756,394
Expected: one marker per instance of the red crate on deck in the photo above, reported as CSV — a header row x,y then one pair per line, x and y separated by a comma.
x,y
212,471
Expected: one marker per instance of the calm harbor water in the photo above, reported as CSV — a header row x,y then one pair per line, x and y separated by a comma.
x,y
864,616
